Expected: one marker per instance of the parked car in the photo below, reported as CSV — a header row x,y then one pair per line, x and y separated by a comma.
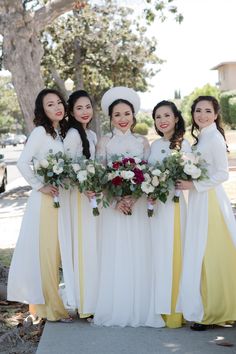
x,y
3,174
20,139
10,139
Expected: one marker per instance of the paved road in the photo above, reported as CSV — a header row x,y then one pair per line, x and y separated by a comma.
x,y
11,155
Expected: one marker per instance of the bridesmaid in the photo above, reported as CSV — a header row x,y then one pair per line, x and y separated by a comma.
x,y
208,290
168,221
34,271
81,141
124,241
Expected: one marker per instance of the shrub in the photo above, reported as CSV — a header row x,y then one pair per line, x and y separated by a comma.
x,y
225,106
144,117
232,112
141,128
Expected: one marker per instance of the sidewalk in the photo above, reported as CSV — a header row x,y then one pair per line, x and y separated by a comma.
x,y
81,337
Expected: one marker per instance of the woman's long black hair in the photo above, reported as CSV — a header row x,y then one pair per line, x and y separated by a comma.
x,y
178,136
41,119
73,123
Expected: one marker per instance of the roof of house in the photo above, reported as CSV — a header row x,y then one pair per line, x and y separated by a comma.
x,y
222,64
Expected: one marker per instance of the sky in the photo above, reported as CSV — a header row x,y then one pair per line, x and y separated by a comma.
x,y
205,38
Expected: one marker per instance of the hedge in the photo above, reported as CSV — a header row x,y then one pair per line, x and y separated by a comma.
x,y
232,112
141,128
225,107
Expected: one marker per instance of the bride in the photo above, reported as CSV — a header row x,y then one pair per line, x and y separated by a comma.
x,y
124,240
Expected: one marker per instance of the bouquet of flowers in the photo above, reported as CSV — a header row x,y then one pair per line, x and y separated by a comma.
x,y
125,176
90,175
185,166
156,185
56,169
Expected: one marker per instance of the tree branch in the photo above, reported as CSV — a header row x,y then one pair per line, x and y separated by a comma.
x,y
48,13
78,65
60,83
1,25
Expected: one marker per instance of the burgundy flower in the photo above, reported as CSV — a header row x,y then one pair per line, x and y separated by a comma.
x,y
138,176
117,181
128,160
116,165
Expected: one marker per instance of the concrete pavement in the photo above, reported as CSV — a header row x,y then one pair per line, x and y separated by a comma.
x,y
81,337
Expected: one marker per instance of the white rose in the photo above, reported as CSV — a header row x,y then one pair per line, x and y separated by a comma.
x,y
91,169
163,178
127,174
57,169
155,181
147,177
142,167
110,176
197,173
156,172
82,175
44,163
76,167
166,172
192,171
36,164
147,187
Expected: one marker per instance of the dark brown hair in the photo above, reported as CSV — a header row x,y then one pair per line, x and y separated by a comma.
x,y
178,136
216,108
73,123
41,119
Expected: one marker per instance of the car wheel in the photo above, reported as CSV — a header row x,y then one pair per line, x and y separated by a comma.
x,y
4,183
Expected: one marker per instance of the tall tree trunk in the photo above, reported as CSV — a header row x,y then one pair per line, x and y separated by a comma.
x,y
25,53
96,122
22,50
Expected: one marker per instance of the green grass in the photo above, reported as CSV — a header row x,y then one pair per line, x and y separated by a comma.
x,y
5,256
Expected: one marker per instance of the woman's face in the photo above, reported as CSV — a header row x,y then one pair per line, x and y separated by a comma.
x,y
204,114
83,111
53,108
122,117
165,121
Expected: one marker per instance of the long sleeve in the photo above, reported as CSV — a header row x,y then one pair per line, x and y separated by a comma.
x,y
25,161
101,154
146,149
220,163
186,147
73,144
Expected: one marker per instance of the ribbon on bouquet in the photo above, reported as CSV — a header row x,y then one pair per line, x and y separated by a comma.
x,y
150,208
56,202
176,196
94,205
